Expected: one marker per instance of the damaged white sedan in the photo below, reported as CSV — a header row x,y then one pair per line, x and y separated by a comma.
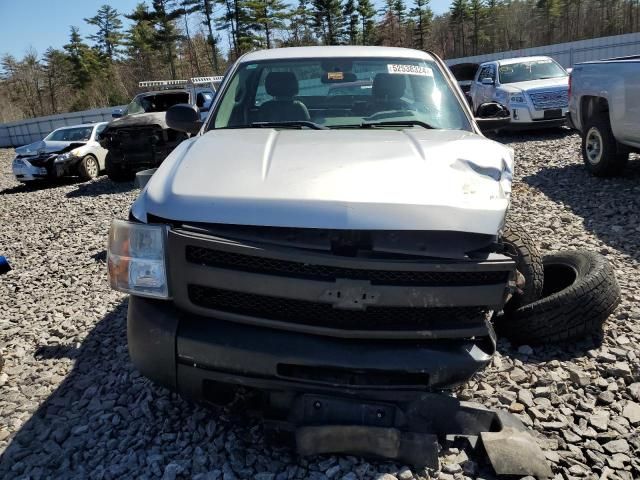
x,y
67,151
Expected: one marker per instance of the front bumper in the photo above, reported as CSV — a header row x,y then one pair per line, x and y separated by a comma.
x,y
24,171
193,354
526,117
277,318
48,166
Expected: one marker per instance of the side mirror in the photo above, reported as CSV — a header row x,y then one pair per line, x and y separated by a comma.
x,y
184,118
492,116
487,81
117,113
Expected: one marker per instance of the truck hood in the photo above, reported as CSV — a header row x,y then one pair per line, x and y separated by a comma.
x,y
378,179
42,146
139,119
535,85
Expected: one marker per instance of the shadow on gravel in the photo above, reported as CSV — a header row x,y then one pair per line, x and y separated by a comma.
x,y
522,136
100,257
101,186
106,421
39,185
609,207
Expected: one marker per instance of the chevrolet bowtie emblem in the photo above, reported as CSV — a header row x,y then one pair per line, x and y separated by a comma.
x,y
351,295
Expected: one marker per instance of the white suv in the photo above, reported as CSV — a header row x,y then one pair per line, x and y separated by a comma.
x,y
535,89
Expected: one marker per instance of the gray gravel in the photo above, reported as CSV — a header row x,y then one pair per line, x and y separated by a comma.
x,y
72,406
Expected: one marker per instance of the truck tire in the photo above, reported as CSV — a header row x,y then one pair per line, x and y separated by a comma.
x,y
522,248
600,148
118,172
580,292
88,168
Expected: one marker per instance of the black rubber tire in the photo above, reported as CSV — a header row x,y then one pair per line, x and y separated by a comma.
x,y
522,248
612,162
118,172
84,170
580,292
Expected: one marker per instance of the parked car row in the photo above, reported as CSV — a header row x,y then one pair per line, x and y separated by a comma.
x,y
600,99
136,139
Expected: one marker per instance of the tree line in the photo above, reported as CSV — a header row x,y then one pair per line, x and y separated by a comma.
x,y
185,38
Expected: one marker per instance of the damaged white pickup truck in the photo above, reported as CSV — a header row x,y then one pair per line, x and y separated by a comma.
x,y
316,248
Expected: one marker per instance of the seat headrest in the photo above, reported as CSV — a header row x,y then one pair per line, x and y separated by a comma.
x,y
281,84
388,86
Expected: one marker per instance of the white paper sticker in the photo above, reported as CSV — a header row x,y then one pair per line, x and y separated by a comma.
x,y
410,70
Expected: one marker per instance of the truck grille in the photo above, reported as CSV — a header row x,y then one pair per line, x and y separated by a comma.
x,y
324,315
272,266
138,138
550,99
310,291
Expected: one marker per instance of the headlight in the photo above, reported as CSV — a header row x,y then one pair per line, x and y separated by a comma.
x,y
517,99
135,259
71,153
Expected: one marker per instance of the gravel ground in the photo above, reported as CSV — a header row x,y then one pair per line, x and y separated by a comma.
x,y
72,406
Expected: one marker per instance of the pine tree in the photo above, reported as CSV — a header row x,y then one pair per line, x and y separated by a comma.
x,y
459,13
109,36
56,68
367,14
549,11
301,21
328,19
351,21
476,12
268,15
164,16
207,12
81,58
140,41
422,16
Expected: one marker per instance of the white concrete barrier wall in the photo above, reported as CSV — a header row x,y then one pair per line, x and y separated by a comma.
x,y
570,53
23,132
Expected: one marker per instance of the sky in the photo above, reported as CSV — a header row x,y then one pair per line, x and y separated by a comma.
x,y
39,24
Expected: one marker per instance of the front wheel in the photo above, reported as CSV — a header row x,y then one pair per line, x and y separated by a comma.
x,y
600,148
88,169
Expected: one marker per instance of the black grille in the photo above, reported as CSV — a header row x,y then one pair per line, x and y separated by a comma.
x,y
306,312
137,138
271,266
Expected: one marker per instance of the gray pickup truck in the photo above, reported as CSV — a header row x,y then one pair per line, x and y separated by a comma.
x,y
604,105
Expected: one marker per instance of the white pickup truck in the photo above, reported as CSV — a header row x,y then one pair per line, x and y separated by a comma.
x,y
604,106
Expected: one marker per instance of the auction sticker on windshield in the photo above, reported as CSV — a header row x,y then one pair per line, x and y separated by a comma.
x,y
410,70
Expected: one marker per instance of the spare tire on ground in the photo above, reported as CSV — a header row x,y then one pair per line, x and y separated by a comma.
x,y
580,292
522,248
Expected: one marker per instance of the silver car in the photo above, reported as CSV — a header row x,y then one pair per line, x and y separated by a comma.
x,y
67,151
535,89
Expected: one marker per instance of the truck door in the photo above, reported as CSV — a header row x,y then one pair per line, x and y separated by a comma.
x,y
626,98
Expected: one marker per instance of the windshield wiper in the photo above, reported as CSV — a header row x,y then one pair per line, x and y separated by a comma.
x,y
397,123
287,124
